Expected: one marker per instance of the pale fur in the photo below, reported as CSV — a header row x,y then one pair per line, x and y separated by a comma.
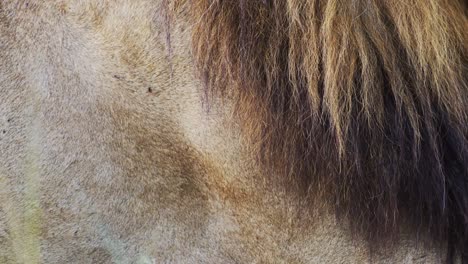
x,y
108,154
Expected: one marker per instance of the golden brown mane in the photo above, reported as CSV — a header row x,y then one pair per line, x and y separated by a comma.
x,y
364,102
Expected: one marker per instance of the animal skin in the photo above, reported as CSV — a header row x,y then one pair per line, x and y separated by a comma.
x,y
116,148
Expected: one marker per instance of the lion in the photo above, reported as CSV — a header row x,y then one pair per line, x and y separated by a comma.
x,y
215,131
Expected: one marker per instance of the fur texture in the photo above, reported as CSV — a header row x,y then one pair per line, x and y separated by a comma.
x,y
360,103
108,156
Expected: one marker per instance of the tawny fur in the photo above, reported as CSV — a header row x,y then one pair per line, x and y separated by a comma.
x,y
110,151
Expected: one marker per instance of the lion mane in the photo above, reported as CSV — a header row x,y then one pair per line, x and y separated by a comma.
x,y
363,104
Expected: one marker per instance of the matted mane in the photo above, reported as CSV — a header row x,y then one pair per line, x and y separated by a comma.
x,y
363,102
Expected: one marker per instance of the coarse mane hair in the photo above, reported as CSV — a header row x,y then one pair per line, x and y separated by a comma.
x,y
363,102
